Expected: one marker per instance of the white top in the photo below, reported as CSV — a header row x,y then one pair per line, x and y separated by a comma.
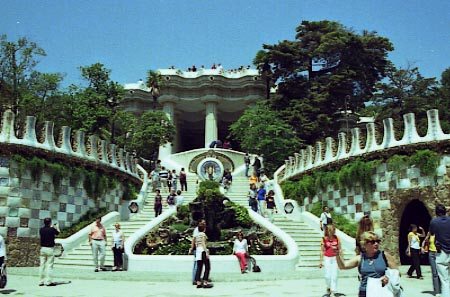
x,y
323,217
198,245
415,241
251,193
179,200
117,238
2,247
240,246
195,233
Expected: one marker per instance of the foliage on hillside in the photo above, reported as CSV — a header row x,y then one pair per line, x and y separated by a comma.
x,y
261,131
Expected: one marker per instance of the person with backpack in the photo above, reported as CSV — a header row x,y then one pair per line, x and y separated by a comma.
x,y
372,263
325,219
328,251
183,180
440,227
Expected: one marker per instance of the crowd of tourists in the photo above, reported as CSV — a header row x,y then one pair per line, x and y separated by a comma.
x,y
378,270
217,67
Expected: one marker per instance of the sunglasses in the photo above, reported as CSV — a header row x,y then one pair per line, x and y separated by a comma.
x,y
373,241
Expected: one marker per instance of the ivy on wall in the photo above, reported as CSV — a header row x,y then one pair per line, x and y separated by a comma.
x,y
340,221
95,184
357,172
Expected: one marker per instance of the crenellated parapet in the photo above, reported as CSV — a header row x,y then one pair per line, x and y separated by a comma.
x,y
92,150
313,157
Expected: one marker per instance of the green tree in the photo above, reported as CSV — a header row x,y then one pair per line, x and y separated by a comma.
x,y
17,62
260,130
95,107
325,66
151,130
154,82
406,91
444,100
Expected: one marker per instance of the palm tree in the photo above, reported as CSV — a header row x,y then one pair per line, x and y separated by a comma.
x,y
154,82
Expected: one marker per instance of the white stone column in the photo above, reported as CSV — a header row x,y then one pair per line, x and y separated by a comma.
x,y
166,149
210,123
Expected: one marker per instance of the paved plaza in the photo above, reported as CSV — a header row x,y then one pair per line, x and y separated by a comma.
x,y
87,283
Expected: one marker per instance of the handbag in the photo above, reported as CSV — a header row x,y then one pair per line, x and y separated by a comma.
x,y
375,289
394,282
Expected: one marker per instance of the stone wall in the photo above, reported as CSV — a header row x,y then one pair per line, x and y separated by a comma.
x,y
24,203
393,192
399,198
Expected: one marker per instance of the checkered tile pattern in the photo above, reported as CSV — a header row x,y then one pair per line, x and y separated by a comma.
x,y
354,202
24,203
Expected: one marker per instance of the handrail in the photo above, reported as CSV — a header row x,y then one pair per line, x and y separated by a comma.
x,y
143,193
95,151
131,241
81,236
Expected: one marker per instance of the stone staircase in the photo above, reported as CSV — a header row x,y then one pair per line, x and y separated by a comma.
x,y
307,239
81,257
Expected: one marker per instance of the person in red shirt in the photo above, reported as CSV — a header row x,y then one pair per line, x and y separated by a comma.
x,y
329,247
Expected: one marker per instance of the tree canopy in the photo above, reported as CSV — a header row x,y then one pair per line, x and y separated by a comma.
x,y
260,130
326,67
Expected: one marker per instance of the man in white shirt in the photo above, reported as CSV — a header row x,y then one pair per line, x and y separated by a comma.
x,y
325,219
180,199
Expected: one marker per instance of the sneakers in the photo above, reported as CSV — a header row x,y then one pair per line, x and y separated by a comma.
x,y
96,270
41,284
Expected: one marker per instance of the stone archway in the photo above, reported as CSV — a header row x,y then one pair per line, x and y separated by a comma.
x,y
390,221
416,213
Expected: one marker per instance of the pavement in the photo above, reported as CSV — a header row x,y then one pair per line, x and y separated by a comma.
x,y
83,282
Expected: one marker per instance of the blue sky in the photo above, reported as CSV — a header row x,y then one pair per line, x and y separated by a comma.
x,y
130,37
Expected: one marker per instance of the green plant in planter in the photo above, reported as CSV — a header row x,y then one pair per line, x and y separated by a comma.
x,y
397,162
242,217
427,161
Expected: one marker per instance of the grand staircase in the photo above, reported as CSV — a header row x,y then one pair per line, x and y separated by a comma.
x,y
81,257
307,238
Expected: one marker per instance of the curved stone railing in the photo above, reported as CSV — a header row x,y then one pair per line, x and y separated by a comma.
x,y
311,158
94,150
143,193
170,263
81,236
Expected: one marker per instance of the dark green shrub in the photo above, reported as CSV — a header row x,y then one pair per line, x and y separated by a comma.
x,y
242,217
427,161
